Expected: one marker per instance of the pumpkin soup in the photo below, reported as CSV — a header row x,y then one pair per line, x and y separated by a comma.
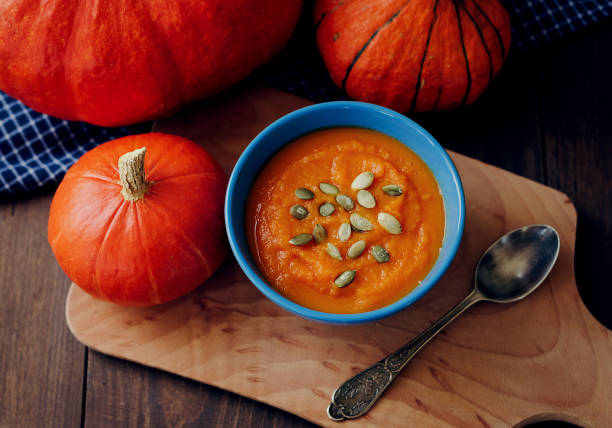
x,y
345,220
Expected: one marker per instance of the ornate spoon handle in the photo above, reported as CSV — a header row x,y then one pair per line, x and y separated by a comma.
x,y
355,396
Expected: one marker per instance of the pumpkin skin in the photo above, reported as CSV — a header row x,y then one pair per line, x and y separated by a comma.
x,y
148,251
125,62
416,55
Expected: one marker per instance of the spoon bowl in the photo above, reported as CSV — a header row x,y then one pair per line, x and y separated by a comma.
x,y
517,263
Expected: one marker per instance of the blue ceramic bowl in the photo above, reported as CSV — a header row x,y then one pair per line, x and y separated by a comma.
x,y
334,114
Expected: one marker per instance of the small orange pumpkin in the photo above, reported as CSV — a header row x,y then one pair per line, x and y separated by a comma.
x,y
414,55
140,229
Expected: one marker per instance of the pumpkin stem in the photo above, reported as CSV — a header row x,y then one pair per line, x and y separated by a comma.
x,y
132,175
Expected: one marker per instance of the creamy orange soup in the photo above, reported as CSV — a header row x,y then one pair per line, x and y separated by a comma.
x,y
309,273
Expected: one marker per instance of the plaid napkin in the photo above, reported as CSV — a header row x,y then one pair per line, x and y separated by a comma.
x,y
36,149
535,22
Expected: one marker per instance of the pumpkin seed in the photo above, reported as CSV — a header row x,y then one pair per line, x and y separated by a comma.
x,y
363,180
345,202
299,212
392,190
301,239
360,223
333,251
344,232
356,249
319,233
326,209
328,189
380,254
366,199
304,193
389,223
345,278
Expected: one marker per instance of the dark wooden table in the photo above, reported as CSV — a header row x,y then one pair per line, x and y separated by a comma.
x,y
548,116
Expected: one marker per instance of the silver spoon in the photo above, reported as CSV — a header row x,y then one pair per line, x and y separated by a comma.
x,y
510,269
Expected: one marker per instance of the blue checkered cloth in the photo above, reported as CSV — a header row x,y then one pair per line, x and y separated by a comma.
x,y
36,149
535,22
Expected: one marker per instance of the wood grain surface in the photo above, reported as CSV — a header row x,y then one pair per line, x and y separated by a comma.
x,y
497,366
547,116
41,366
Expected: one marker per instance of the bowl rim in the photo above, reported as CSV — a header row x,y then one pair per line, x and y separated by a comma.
x,y
267,290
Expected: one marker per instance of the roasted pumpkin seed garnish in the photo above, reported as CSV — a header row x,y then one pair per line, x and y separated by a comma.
x,y
366,199
344,232
301,239
392,190
345,278
380,254
389,223
298,211
304,193
345,202
328,189
363,180
326,209
333,251
360,223
356,249
319,233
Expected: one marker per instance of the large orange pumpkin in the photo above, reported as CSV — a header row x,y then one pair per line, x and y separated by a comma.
x,y
414,55
119,62
140,227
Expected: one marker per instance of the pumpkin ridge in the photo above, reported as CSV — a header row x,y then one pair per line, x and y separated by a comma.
x,y
98,178
57,237
316,27
482,39
332,10
74,31
172,64
367,43
499,37
467,62
418,80
153,192
142,239
201,174
108,228
151,169
193,247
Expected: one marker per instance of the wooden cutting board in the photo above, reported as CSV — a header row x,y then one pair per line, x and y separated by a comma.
x,y
497,365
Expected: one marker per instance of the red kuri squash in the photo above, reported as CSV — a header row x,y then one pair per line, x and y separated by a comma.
x,y
119,62
413,55
140,229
